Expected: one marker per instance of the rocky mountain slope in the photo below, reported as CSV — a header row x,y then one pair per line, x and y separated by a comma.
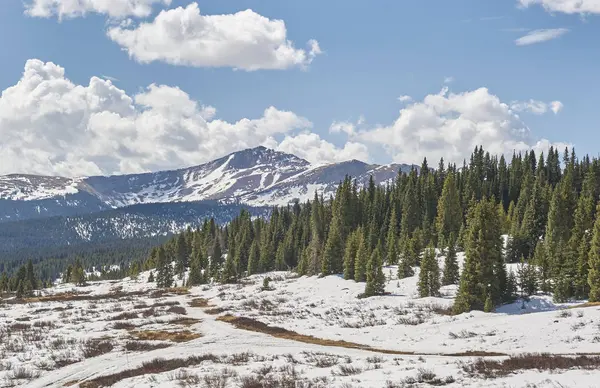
x,y
254,177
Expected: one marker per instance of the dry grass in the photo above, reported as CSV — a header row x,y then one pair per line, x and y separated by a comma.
x,y
199,302
587,304
141,346
78,296
184,321
278,332
495,368
215,311
170,291
158,365
162,335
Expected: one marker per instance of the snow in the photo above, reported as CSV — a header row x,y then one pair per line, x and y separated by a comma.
x,y
326,308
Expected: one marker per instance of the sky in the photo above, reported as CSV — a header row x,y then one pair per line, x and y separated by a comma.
x,y
94,87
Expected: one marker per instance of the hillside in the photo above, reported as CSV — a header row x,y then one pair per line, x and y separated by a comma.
x,y
128,334
254,177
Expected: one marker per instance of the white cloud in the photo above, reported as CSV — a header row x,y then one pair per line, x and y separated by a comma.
x,y
448,80
405,98
49,125
77,8
539,36
565,6
556,106
244,40
536,107
342,127
311,147
451,125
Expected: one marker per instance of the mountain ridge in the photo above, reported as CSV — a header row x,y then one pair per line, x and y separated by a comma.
x,y
255,177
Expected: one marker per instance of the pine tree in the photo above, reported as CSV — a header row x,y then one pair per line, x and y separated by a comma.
x,y
78,274
229,274
527,278
375,277
4,282
449,212
392,239
429,275
181,256
164,271
195,277
362,256
352,245
334,251
253,258
151,277
216,258
484,272
451,270
594,261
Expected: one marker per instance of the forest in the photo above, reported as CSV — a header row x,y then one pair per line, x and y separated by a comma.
x,y
546,204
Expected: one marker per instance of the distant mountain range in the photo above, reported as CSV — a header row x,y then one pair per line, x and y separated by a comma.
x,y
255,177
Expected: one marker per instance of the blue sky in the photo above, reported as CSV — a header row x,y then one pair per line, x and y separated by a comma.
x,y
372,53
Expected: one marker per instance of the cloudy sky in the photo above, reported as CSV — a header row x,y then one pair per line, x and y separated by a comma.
x,y
119,86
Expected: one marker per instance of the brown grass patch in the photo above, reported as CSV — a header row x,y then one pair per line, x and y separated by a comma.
x,y
169,291
215,311
158,365
141,346
77,296
184,321
495,368
162,335
587,304
200,302
278,332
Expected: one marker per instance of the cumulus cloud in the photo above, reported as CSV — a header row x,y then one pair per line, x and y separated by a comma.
x,y
77,8
50,125
565,6
343,127
183,36
311,147
451,125
405,98
536,107
539,36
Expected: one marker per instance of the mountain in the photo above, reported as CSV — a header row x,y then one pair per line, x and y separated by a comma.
x,y
254,177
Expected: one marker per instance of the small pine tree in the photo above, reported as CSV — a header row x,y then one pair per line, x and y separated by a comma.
x,y
488,307
164,272
229,274
375,277
151,277
253,258
429,276
266,284
350,255
451,270
360,264
527,278
195,277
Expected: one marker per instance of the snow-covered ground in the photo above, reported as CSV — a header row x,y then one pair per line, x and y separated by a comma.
x,y
50,343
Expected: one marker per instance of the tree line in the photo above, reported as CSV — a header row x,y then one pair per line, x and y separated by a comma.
x,y
546,206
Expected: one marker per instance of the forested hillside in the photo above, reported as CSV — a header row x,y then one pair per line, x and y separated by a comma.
x,y
547,207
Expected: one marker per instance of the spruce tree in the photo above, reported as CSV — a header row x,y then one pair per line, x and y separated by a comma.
x,y
334,251
253,258
216,257
352,244
594,261
449,212
181,255
375,277
451,270
362,256
429,275
229,274
392,239
164,271
195,277
151,277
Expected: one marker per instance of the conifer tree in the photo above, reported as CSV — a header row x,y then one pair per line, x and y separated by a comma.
x,y
229,274
392,239
527,278
594,261
352,245
181,256
4,282
449,212
164,271
362,256
195,277
429,275
253,258
151,277
216,257
334,251
375,277
451,270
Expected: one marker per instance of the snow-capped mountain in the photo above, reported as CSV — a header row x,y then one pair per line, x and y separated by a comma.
x,y
254,177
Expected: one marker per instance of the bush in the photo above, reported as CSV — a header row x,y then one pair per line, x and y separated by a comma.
x,y
93,348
